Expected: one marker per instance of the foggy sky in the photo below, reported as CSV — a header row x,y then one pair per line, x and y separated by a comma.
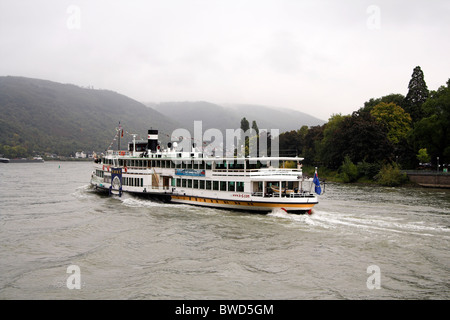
x,y
318,57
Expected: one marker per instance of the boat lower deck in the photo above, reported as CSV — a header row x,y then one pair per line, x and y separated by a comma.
x,y
251,205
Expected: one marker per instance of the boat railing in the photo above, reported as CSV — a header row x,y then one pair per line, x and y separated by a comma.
x,y
284,195
118,153
258,172
164,188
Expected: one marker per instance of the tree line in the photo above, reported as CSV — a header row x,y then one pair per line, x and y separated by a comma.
x,y
386,134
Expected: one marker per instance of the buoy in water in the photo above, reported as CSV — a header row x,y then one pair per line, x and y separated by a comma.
x,y
310,212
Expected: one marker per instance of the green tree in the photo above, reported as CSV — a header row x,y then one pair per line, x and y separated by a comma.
x,y
255,127
396,120
311,146
417,94
396,98
245,125
359,136
391,176
433,131
423,156
331,147
348,170
291,143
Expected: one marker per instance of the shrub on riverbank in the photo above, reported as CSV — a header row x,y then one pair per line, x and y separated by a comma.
x,y
391,176
348,171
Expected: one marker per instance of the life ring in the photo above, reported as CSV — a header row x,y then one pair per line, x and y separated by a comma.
x,y
125,169
122,153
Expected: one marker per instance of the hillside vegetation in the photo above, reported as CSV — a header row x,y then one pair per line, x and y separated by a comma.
x,y
40,116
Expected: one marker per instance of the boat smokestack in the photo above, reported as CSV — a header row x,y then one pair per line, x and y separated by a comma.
x,y
152,140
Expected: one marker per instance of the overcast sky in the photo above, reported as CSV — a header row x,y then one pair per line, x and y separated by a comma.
x,y
318,57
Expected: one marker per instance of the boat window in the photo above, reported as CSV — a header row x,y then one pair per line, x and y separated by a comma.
x,y
223,186
240,186
236,165
183,183
178,182
208,165
189,183
195,184
208,184
221,165
215,185
231,186
202,184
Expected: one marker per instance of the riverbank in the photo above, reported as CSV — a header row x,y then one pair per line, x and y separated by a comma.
x,y
410,178
429,179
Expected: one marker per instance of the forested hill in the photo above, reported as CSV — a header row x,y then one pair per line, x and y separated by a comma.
x,y
40,116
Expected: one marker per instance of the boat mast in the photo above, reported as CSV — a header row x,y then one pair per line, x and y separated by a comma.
x,y
134,144
119,133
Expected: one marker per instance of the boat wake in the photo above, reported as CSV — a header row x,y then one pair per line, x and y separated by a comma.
x,y
303,218
134,202
351,223
84,192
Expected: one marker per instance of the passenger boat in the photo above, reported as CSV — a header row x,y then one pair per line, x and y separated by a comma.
x,y
252,184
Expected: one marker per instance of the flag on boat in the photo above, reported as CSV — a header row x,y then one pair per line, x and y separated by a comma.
x,y
316,181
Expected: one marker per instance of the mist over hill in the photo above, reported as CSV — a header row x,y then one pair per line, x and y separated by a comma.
x,y
229,116
41,116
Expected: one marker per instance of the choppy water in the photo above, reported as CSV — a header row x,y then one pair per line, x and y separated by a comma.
x,y
130,248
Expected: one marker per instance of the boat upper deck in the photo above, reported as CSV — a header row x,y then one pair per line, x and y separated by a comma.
x,y
218,166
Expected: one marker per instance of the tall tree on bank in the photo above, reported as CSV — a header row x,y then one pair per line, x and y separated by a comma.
x,y
433,131
396,120
359,136
417,94
245,125
255,127
396,98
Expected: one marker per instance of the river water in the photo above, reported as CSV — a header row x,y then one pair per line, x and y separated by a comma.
x,y
361,242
